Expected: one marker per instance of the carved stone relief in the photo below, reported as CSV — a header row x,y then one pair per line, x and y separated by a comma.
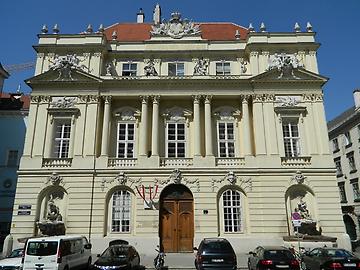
x,y
176,27
149,68
54,179
298,177
201,67
244,183
287,101
63,102
121,179
65,65
285,64
176,178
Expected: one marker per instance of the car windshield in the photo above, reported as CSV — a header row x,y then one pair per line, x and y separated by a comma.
x,y
217,247
16,253
338,253
278,255
117,251
42,248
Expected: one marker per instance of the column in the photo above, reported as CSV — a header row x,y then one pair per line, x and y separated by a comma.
x,y
143,135
155,127
258,123
105,129
254,63
246,126
208,127
197,132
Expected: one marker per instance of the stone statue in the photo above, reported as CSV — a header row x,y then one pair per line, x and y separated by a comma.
x,y
53,213
157,15
201,67
150,68
65,64
285,64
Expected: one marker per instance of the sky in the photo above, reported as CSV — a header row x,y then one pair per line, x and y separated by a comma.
x,y
337,24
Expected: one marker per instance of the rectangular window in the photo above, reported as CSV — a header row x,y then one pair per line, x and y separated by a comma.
x,y
226,140
351,160
347,139
176,69
338,167
342,192
121,208
12,158
223,68
129,69
291,139
62,138
175,139
125,140
335,145
355,186
232,211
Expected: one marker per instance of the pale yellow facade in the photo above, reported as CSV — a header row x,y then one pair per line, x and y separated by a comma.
x,y
95,96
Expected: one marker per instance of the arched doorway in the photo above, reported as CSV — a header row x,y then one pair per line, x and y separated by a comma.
x,y
350,227
176,219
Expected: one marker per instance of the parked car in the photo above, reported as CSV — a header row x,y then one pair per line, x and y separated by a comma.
x,y
63,252
330,258
118,257
272,257
215,253
13,261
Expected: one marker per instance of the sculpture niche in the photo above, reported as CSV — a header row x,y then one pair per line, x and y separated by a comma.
x,y
53,224
308,224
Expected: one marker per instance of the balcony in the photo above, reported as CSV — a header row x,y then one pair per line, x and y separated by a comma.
x,y
176,162
122,162
229,162
56,162
295,161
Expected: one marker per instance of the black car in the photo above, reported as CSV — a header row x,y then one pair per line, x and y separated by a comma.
x,y
118,257
331,258
215,253
272,257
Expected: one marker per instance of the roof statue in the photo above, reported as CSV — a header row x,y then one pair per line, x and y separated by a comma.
x,y
285,64
176,27
157,15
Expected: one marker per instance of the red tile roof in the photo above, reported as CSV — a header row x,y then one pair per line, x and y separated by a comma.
x,y
24,98
141,31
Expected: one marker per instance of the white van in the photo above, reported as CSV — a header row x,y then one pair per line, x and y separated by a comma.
x,y
65,252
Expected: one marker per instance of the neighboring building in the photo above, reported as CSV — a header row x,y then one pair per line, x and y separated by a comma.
x,y
344,136
14,108
174,131
3,75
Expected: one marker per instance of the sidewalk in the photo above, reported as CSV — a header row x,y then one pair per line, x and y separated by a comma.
x,y
179,261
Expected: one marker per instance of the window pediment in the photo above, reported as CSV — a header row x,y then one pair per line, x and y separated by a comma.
x,y
226,113
177,114
127,114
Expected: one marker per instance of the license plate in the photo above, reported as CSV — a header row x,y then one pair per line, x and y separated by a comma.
x,y
350,264
282,266
217,260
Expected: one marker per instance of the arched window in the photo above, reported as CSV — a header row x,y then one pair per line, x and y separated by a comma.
x,y
120,211
232,216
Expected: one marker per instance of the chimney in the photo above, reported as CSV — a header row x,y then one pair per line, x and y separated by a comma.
x,y
140,16
356,94
157,15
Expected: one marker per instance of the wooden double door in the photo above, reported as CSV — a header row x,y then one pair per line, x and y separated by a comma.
x,y
177,221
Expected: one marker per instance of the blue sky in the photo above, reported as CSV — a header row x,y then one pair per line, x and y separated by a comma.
x,y
337,24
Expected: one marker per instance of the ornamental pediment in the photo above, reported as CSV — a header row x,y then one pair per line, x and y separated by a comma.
x,y
63,76
294,75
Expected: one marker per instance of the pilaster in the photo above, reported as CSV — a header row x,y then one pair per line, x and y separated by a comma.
x,y
258,123
254,63
106,125
208,127
155,127
143,138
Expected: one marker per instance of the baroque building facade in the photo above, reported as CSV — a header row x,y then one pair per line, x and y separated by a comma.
x,y
171,131
344,139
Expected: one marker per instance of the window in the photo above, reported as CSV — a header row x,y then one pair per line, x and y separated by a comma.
x,y
347,139
121,206
129,69
176,69
231,200
335,145
338,167
342,192
12,158
125,140
291,139
351,160
226,140
175,145
62,138
223,68
355,187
